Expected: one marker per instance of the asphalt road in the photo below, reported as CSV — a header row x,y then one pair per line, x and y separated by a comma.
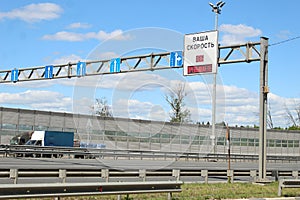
x,y
124,164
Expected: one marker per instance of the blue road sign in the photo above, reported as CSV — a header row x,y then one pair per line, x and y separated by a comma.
x,y
81,69
14,75
176,58
115,65
49,71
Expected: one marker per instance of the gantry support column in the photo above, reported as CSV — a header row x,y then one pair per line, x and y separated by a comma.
x,y
263,106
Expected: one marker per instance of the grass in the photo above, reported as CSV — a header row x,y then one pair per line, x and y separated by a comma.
x,y
209,191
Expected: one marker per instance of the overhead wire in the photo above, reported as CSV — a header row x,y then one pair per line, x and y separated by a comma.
x,y
284,41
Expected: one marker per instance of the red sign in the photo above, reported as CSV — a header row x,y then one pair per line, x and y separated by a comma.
x,y
200,58
199,69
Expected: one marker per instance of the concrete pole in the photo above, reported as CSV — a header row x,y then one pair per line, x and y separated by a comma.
x,y
264,89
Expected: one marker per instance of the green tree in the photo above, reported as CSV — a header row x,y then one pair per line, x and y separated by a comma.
x,y
293,117
175,99
101,108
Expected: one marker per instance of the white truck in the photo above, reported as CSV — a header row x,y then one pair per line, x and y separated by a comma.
x,y
51,138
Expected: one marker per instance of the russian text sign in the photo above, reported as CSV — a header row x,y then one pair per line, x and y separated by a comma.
x,y
200,53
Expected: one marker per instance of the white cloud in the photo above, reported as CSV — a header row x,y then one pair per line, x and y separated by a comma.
x,y
96,55
82,105
124,82
135,109
107,55
125,108
241,96
38,99
141,81
76,37
236,34
34,12
66,59
66,36
278,106
239,106
199,114
201,91
36,84
79,25
241,29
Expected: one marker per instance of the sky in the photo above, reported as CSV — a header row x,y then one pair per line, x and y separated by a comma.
x,y
39,33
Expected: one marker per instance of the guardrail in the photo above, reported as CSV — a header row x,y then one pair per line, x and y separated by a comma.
x,y
25,183
84,189
36,151
16,176
288,183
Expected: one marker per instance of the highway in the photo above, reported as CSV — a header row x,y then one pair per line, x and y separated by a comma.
x,y
135,164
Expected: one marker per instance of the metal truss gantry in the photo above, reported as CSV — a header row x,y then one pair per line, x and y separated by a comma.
x,y
248,52
153,61
149,62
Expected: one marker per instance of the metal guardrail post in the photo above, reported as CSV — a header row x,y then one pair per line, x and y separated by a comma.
x,y
170,196
142,174
105,174
119,197
63,175
13,174
253,174
204,173
176,174
280,188
230,175
295,174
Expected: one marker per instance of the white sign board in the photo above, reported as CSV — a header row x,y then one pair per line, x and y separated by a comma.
x,y
200,53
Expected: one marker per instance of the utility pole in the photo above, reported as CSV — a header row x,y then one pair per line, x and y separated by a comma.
x,y
217,10
263,104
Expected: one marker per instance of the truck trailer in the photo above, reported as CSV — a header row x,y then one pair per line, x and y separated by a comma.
x,y
52,138
48,139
